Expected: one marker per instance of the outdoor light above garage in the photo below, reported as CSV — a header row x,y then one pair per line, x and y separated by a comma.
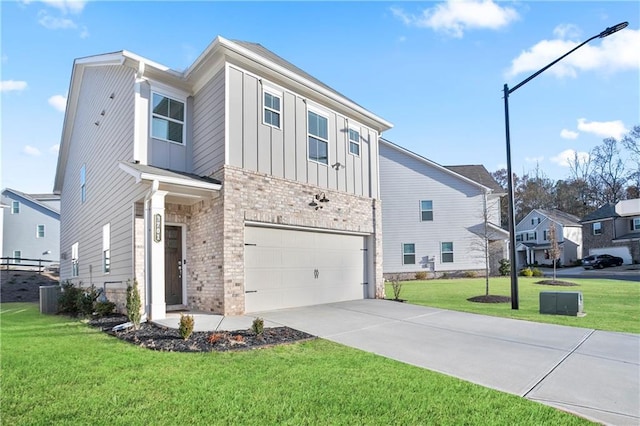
x,y
320,197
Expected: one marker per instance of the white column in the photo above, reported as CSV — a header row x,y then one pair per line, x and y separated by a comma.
x,y
156,256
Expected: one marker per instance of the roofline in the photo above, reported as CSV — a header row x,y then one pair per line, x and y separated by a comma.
x,y
425,160
28,197
192,183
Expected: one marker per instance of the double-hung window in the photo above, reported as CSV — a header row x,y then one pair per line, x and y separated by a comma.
x,y
426,210
106,248
75,265
545,235
318,138
83,183
635,224
40,231
272,109
17,256
15,207
446,252
596,227
354,141
408,254
168,119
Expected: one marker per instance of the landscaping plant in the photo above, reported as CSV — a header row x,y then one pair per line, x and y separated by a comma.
x,y
186,326
133,304
257,326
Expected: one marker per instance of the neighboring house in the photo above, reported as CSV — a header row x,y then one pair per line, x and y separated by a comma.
x,y
615,230
30,227
533,244
241,184
433,216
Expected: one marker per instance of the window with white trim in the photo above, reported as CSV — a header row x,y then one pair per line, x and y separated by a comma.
x,y
518,237
409,254
167,119
545,235
596,228
318,132
446,252
15,207
426,210
17,256
272,109
531,236
106,248
40,231
635,224
75,262
354,141
83,183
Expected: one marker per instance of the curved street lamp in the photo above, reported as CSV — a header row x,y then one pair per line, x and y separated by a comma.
x,y
512,224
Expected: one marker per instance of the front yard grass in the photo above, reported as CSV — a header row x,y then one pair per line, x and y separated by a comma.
x,y
56,370
611,305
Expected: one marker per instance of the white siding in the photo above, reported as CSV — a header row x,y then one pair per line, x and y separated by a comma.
x,y
208,126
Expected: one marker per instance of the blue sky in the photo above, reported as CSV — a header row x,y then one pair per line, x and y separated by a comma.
x,y
434,69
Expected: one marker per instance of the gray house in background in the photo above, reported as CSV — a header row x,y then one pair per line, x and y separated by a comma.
x,y
241,184
31,226
436,218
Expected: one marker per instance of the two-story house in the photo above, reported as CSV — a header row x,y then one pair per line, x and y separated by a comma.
x,y
239,185
615,230
31,227
533,243
438,219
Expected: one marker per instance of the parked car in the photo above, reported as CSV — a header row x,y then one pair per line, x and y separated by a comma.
x,y
601,261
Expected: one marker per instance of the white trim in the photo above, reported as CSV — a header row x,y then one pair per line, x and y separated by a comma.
x,y
405,254
280,96
442,252
167,118
358,129
38,231
226,114
327,141
140,176
304,228
422,211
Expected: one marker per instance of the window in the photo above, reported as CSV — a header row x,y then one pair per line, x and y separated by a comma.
x,y
518,237
545,235
168,119
75,267
531,236
446,252
17,256
83,183
106,248
271,109
426,210
318,138
635,224
354,141
40,231
596,227
15,207
408,254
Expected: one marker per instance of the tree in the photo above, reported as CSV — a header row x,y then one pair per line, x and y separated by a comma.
x,y
481,243
535,192
631,142
554,250
609,174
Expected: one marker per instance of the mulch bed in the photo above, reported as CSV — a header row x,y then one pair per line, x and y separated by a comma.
x,y
490,299
557,282
159,338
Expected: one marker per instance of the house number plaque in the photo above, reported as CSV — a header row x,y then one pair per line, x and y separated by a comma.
x,y
157,228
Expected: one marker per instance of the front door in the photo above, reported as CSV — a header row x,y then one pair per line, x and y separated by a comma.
x,y
173,265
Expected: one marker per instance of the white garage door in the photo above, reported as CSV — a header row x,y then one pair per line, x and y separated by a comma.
x,y
286,268
622,252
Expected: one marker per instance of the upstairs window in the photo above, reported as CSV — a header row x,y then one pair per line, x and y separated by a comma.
x,y
635,224
596,228
354,141
75,265
446,252
83,183
40,231
168,119
318,138
408,254
106,248
426,210
272,109
545,235
17,256
15,207
518,237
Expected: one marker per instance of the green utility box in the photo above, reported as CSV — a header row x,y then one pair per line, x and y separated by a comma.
x,y
561,303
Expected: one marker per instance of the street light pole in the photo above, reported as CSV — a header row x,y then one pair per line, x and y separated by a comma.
x,y
512,221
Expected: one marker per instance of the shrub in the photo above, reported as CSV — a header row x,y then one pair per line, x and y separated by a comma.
x,y
213,338
396,285
421,275
537,272
186,326
470,274
86,300
104,308
257,326
505,267
526,272
133,304
68,299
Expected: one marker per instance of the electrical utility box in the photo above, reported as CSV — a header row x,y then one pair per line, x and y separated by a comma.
x,y
561,303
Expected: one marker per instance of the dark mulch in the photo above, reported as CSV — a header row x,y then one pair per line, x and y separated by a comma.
x,y
158,338
491,298
557,282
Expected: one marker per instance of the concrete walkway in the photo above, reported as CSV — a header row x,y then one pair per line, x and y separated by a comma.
x,y
594,374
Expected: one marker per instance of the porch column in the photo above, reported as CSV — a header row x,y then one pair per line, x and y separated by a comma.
x,y
156,255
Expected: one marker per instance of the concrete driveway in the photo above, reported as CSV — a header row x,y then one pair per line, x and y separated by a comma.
x,y
594,374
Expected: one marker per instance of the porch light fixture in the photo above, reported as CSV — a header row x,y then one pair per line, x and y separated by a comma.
x,y
337,166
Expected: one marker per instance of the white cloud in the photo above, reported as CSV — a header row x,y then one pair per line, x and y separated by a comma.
x,y
618,52
568,155
54,148
67,6
535,160
605,129
55,23
31,151
12,85
59,102
569,134
567,31
455,17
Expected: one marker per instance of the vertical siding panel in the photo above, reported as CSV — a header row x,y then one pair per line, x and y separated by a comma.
x,y
357,173
365,154
250,117
302,171
265,137
289,134
208,126
341,152
277,152
373,162
236,128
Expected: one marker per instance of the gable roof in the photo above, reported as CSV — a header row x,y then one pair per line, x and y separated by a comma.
x,y
480,174
558,216
607,211
37,199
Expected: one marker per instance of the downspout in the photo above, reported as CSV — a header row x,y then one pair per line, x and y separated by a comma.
x,y
147,241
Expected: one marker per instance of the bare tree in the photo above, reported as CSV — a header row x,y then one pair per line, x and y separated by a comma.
x,y
631,142
554,250
481,244
609,174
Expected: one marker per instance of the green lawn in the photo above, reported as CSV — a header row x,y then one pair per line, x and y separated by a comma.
x,y
60,371
609,304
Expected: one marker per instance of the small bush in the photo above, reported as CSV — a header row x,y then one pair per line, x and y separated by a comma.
x,y
86,300
186,326
396,285
421,275
537,272
526,272
104,308
257,326
213,338
68,299
469,274
505,267
133,304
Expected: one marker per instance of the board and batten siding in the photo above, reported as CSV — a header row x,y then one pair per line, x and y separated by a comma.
x,y
109,191
457,206
208,126
282,152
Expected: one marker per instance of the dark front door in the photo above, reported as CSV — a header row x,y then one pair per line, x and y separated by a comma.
x,y
173,265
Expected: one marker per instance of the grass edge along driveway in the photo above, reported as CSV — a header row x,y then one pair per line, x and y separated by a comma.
x,y
56,370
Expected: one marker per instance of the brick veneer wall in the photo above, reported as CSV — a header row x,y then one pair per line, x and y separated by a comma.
x,y
590,241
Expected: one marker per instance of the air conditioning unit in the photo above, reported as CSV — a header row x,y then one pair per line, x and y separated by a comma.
x,y
562,303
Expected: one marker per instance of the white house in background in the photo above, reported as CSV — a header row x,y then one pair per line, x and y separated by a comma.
x,y
614,230
433,216
30,227
533,243
241,184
